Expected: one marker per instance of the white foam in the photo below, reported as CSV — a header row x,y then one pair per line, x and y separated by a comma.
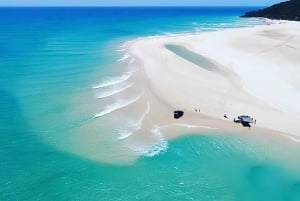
x,y
170,34
117,105
133,125
295,139
125,56
126,43
157,133
111,92
158,148
193,126
120,50
132,60
209,29
154,36
125,134
114,80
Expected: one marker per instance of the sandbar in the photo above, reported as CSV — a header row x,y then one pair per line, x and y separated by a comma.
x,y
253,71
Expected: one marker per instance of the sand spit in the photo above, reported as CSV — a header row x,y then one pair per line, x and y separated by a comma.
x,y
254,71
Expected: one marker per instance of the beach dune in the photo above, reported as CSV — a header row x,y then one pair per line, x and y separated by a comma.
x,y
253,71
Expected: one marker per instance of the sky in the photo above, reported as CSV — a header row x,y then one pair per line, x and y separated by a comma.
x,y
138,2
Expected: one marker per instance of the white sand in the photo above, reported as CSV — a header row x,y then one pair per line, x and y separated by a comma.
x,y
256,71
258,74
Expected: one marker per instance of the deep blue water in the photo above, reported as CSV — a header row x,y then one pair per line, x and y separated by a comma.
x,y
50,58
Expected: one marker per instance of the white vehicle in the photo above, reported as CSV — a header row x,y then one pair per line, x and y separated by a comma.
x,y
243,119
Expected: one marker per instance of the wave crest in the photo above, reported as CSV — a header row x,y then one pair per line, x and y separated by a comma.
x,y
111,92
114,80
158,148
133,126
116,106
125,56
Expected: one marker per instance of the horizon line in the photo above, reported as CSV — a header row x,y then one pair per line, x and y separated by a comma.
x,y
145,6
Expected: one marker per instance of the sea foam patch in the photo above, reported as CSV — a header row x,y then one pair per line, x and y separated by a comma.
x,y
159,147
114,80
120,50
133,125
117,105
132,60
124,57
113,91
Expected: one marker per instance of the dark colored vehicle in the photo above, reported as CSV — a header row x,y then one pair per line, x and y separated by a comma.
x,y
178,114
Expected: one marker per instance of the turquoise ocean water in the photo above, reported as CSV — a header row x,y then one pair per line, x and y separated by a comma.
x,y
53,61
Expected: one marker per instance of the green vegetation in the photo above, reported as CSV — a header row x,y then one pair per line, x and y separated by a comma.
x,y
288,10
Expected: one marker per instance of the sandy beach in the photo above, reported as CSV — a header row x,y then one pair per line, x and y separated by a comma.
x,y
247,71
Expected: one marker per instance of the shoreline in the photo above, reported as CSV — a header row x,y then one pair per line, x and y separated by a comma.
x,y
158,80
179,83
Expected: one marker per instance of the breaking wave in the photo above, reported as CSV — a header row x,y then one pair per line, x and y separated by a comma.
x,y
158,148
120,50
133,126
111,92
125,56
114,80
116,106
126,43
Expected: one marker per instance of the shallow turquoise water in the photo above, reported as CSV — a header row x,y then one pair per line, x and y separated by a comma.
x,y
49,61
193,168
